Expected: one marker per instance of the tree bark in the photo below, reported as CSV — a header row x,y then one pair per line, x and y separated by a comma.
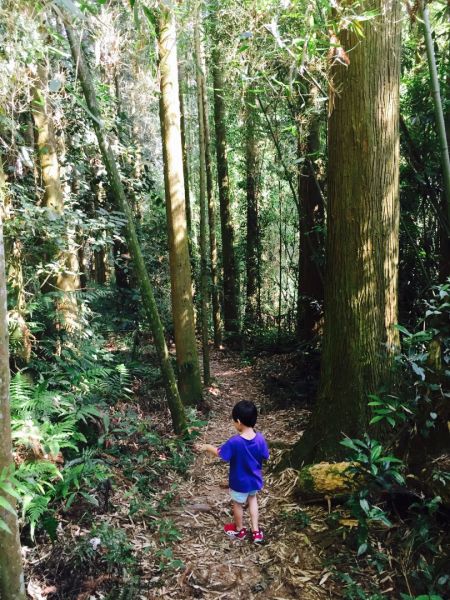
x,y
204,288
362,235
12,585
201,67
189,379
310,213
117,190
252,262
230,277
187,194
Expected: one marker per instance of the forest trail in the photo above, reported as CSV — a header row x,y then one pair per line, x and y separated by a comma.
x,y
288,564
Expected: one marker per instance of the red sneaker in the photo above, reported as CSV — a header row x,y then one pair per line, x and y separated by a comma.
x,y
230,529
257,536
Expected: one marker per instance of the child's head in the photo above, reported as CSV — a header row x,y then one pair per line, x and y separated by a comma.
x,y
245,412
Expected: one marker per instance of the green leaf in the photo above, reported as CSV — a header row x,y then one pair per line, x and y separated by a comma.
x,y
151,17
6,505
376,452
362,549
348,443
4,527
418,370
403,330
376,419
364,505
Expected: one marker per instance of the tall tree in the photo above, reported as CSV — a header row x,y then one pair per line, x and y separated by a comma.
x,y
204,275
362,233
12,586
230,277
252,307
189,379
187,195
117,190
203,98
310,216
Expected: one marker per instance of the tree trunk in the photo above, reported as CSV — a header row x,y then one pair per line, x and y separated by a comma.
x,y
189,379
67,280
118,193
230,283
12,586
439,113
201,69
310,209
251,307
187,194
444,222
204,288
362,235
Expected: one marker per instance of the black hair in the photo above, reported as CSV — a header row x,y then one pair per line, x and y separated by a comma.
x,y
246,412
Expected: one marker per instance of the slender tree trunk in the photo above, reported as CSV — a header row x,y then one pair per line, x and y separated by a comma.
x,y
280,257
230,277
67,280
310,209
439,113
12,586
118,193
187,194
204,288
444,222
189,379
362,235
201,77
251,307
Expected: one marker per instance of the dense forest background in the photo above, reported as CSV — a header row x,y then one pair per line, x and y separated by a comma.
x,y
189,183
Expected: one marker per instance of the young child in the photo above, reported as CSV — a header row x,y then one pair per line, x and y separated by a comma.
x,y
245,453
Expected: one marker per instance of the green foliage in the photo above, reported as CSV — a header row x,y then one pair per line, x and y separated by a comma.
x,y
107,546
379,472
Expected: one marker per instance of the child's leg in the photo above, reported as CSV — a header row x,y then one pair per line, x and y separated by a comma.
x,y
254,513
238,513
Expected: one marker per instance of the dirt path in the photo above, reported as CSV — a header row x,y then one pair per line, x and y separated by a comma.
x,y
287,565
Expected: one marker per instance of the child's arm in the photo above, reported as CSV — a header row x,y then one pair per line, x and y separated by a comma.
x,y
207,448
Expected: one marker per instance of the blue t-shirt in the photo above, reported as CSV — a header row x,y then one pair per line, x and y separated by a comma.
x,y
245,458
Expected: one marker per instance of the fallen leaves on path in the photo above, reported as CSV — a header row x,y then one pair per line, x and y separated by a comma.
x,y
287,565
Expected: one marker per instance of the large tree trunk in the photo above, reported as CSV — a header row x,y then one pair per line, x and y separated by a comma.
x,y
310,208
118,193
204,288
230,283
362,235
12,586
67,280
189,379
252,263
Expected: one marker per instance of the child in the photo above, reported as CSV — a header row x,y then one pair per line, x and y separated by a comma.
x,y
245,453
